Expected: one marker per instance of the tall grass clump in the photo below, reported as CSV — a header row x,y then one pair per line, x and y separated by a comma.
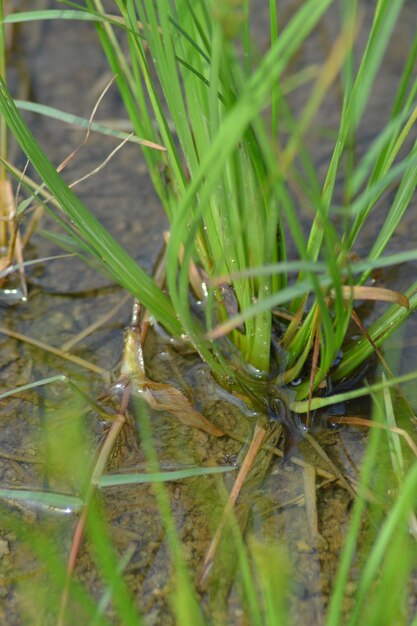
x,y
264,295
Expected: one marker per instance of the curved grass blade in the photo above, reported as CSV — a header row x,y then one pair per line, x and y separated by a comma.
x,y
39,383
318,403
84,15
82,122
13,268
379,332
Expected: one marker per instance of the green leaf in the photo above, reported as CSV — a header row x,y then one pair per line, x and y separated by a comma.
x,y
115,259
57,501
114,480
81,122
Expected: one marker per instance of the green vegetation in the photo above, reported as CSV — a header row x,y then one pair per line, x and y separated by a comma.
x,y
260,271
232,184
380,567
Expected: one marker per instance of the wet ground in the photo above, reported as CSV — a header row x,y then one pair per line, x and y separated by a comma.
x,y
66,70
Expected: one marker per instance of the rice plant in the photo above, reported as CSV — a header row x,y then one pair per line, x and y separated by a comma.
x,y
265,298
264,294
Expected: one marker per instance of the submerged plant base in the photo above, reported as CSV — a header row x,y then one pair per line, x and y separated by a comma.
x,y
274,506
265,394
270,502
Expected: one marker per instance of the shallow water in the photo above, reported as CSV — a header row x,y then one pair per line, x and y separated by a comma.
x,y
65,297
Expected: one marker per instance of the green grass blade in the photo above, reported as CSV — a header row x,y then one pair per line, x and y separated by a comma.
x,y
114,480
33,385
394,440
106,598
57,501
379,332
399,206
81,122
275,96
186,606
385,17
20,17
319,403
350,542
113,257
106,558
396,522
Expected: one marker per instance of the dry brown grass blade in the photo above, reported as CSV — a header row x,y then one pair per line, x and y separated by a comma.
x,y
361,421
380,294
368,337
95,325
194,275
7,203
320,471
99,467
36,189
5,208
63,355
309,480
295,323
223,329
6,218
164,397
257,439
72,155
18,252
14,243
103,164
282,315
32,226
317,447
159,396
